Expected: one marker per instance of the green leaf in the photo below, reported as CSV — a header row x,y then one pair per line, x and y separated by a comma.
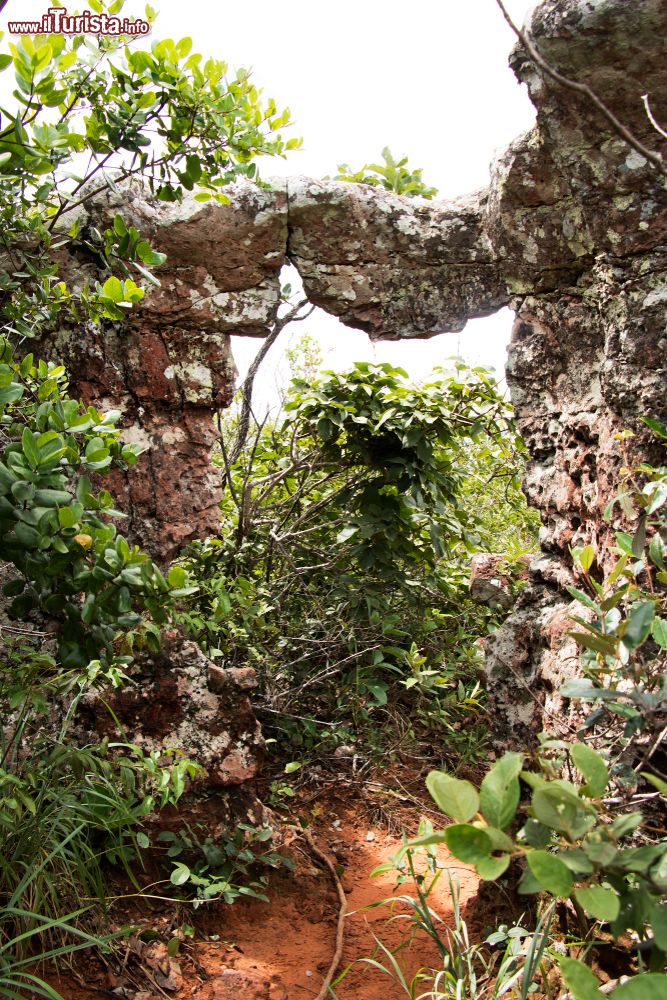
x,y
659,631
598,643
551,873
492,868
499,792
601,903
292,766
119,225
583,598
580,688
645,986
113,289
586,558
655,426
593,768
29,446
180,874
625,824
468,843
456,798
656,782
580,980
562,810
659,925
656,552
577,861
536,834
638,625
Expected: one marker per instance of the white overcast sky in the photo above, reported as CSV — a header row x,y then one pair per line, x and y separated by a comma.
x,y
428,78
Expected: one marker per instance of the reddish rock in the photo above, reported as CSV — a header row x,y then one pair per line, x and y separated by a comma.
x,y
571,232
172,703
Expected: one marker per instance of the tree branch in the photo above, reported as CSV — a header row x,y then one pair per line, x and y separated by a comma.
x,y
294,315
582,88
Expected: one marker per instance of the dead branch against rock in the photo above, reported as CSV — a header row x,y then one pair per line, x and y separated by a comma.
x,y
294,315
582,88
342,912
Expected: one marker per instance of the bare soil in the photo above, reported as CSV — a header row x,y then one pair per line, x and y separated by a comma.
x,y
283,950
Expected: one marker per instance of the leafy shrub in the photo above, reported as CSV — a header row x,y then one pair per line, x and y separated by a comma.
x,y
393,175
65,809
164,115
342,565
225,868
624,636
576,845
75,568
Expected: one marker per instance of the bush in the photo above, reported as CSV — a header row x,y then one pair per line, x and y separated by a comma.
x,y
342,565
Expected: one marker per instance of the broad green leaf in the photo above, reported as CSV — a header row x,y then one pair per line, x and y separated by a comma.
x,y
645,986
490,869
659,631
601,903
499,792
536,834
659,925
551,873
180,874
577,861
468,843
562,810
593,768
638,625
586,557
456,798
625,824
30,449
580,980
113,289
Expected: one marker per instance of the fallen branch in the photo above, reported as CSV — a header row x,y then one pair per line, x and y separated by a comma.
x,y
340,931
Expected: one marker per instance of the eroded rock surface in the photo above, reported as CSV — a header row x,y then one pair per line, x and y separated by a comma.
x,y
571,232
178,699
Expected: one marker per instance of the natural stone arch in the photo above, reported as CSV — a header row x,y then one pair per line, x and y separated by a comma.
x,y
571,232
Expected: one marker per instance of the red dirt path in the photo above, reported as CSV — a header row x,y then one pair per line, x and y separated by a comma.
x,y
282,950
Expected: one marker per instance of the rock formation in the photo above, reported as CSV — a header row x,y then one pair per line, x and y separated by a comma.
x,y
571,232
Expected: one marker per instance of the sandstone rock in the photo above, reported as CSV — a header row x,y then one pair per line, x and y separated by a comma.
x,y
490,583
172,704
571,231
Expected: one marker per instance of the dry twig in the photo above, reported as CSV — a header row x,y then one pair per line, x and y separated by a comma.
x,y
340,931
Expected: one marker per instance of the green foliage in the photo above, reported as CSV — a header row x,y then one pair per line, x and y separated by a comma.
x,y
225,868
75,568
623,630
90,114
65,810
164,115
342,565
574,842
507,962
393,175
